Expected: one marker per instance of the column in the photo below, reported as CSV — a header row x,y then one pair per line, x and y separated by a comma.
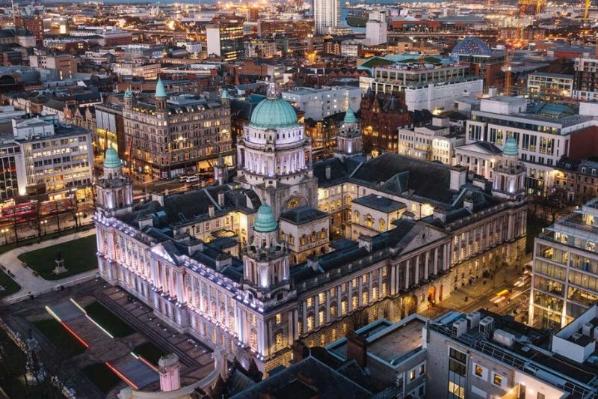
x,y
436,260
407,266
426,265
417,269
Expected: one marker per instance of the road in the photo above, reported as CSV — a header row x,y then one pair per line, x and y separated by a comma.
x,y
487,293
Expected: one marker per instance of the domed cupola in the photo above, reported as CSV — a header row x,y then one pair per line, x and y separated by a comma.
x,y
510,148
273,113
112,163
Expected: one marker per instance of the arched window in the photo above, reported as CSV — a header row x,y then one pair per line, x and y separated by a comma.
x,y
369,220
382,224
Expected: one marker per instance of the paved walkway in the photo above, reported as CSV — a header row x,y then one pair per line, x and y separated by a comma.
x,y
36,285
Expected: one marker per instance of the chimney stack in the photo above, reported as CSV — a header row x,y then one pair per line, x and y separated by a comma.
x,y
357,348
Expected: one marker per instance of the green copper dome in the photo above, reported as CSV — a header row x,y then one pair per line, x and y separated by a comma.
x,y
264,221
111,159
128,93
160,89
273,113
510,148
350,116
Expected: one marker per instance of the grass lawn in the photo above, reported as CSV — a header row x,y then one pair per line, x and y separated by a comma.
x,y
28,241
8,284
79,256
60,337
149,352
101,376
108,320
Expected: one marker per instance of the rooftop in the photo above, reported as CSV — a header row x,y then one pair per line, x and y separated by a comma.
x,y
379,203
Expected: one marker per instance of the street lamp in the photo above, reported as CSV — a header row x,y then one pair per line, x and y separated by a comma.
x,y
77,216
44,223
4,231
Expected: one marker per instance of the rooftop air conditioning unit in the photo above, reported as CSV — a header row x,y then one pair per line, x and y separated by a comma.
x,y
504,338
587,329
487,326
473,319
459,327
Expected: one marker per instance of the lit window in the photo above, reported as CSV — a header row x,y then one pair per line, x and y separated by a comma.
x,y
310,323
497,380
322,297
456,389
343,306
278,318
321,317
310,302
412,375
478,370
354,302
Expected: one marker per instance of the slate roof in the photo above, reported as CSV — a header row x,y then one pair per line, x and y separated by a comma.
x,y
303,215
399,174
383,204
340,170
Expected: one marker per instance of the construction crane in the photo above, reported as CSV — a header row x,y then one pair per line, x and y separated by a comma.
x,y
586,11
507,69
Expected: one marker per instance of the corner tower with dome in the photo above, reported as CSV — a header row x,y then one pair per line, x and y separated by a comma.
x,y
274,157
114,191
509,173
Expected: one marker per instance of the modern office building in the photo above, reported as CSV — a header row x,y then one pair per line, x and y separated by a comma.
x,y
326,15
320,103
55,159
485,355
585,85
225,38
425,83
549,86
376,28
543,133
565,269
166,136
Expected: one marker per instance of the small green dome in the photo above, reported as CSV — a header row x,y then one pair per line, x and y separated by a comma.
x,y
128,93
264,221
510,148
273,113
160,89
111,159
350,116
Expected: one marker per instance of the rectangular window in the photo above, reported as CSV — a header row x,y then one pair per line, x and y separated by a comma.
x,y
456,390
497,380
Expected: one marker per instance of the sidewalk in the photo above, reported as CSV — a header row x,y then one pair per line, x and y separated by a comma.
x,y
36,285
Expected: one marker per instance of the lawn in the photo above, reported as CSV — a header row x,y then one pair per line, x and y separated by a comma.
x,y
108,320
9,286
79,256
60,337
149,352
101,376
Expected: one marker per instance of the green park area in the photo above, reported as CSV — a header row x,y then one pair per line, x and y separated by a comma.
x,y
108,320
64,342
101,376
79,256
8,286
149,352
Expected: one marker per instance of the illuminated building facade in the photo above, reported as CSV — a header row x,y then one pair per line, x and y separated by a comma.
x,y
172,251
565,269
225,38
166,136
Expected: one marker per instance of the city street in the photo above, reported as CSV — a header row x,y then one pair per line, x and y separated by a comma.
x,y
506,293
